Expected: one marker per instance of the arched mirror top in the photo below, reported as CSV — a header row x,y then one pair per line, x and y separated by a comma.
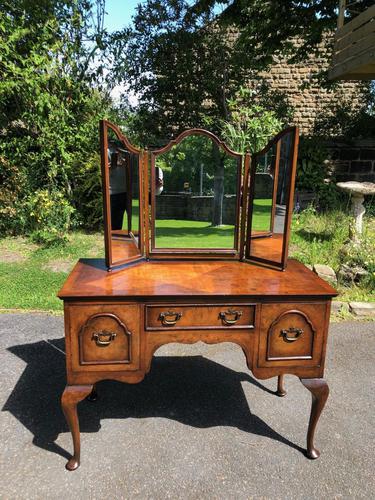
x,y
287,131
105,125
197,132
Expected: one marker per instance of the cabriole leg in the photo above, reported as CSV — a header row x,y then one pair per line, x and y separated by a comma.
x,y
72,395
280,386
93,396
319,390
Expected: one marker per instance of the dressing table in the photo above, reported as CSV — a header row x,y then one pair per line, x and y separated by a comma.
x,y
200,256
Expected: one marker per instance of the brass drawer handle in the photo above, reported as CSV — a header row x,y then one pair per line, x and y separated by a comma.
x,y
236,316
296,333
175,316
104,338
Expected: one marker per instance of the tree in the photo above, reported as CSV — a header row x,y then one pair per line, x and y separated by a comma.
x,y
182,69
266,27
185,60
51,100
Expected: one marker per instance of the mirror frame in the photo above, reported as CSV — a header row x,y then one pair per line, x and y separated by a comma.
x,y
289,196
104,126
247,165
193,253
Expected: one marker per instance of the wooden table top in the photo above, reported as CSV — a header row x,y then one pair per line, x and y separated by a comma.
x,y
90,279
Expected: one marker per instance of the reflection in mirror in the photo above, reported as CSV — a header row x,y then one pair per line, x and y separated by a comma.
x,y
270,198
263,193
124,199
196,195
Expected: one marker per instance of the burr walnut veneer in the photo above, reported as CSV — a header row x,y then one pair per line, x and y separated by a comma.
x,y
115,321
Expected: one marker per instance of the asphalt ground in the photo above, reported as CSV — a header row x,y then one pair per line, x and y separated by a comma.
x,y
198,427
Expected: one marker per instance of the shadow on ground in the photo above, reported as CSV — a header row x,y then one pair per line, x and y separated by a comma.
x,y
192,390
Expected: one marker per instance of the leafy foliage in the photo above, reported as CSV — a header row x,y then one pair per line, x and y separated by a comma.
x,y
49,216
266,28
339,120
185,60
197,155
251,124
314,173
183,69
320,238
49,112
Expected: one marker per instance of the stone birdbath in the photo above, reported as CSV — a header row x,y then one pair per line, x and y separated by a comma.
x,y
358,191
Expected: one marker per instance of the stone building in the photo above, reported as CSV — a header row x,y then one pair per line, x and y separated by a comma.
x,y
303,90
310,101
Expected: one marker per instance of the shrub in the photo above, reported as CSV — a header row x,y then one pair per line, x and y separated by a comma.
x,y
88,193
49,219
251,124
314,173
12,215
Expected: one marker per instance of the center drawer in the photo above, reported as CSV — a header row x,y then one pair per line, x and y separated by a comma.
x,y
199,317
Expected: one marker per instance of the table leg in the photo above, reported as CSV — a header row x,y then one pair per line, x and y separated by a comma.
x,y
93,396
319,390
280,386
72,395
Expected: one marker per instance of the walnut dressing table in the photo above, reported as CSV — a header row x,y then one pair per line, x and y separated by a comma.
x,y
145,294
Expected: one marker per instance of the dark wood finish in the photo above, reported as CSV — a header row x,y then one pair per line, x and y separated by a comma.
x,y
281,392
104,337
114,322
197,316
290,191
291,334
72,395
154,303
319,392
90,280
265,251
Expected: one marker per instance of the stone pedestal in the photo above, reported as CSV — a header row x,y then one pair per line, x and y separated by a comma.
x,y
358,191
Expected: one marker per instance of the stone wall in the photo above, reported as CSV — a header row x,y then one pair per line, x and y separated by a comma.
x,y
189,207
355,161
303,90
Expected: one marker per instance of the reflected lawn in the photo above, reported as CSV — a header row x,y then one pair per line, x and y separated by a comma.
x,y
175,233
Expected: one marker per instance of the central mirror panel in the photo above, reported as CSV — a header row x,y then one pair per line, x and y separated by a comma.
x,y
195,184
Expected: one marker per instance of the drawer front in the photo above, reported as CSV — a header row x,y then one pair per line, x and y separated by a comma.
x,y
199,317
104,337
292,334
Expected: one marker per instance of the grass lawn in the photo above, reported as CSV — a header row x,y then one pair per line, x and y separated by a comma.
x,y
30,275
321,238
135,216
173,233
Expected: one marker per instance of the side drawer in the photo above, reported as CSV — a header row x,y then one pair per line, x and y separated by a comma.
x,y
105,337
199,317
292,334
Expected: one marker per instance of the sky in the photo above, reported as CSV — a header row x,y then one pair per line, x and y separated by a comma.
x,y
119,13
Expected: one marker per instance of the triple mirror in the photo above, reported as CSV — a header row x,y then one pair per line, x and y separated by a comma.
x,y
122,188
195,198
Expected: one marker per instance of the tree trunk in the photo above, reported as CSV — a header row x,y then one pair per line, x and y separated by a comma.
x,y
217,209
